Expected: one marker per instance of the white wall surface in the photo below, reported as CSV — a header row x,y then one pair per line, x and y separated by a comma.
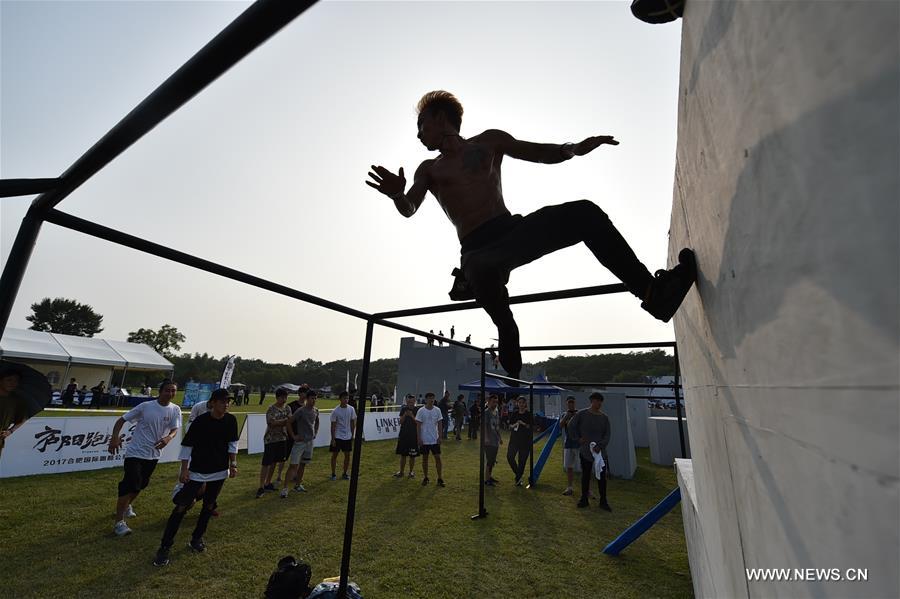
x,y
786,186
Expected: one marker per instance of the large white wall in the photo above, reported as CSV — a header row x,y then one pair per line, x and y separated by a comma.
x,y
786,186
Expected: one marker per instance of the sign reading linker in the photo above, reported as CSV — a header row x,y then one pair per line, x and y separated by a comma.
x,y
51,445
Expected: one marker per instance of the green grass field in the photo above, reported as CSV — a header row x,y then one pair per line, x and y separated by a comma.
x,y
410,541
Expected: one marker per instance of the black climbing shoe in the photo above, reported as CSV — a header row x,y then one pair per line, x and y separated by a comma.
x,y
657,11
669,287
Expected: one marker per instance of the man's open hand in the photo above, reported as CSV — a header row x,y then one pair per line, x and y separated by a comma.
x,y
387,182
592,143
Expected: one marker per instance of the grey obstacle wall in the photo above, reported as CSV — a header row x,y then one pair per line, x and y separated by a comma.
x,y
786,186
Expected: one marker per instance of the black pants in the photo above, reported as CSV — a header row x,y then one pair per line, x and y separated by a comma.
x,y
183,500
587,473
517,456
474,423
507,242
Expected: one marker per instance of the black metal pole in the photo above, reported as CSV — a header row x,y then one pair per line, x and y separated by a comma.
x,y
482,406
678,404
354,468
250,29
516,299
26,187
17,262
531,445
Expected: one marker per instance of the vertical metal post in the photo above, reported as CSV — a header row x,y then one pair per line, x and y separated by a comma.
x,y
678,404
484,416
17,262
354,469
531,445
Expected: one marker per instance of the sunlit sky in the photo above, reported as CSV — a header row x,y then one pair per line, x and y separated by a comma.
x,y
264,170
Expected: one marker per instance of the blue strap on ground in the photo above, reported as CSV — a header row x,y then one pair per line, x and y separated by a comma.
x,y
545,453
644,523
545,432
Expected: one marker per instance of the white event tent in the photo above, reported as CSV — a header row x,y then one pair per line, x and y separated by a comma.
x,y
87,359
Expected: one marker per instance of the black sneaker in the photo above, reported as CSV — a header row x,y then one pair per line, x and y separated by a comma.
x,y
269,487
583,502
162,557
260,492
605,506
197,545
397,475
345,476
669,287
489,482
519,482
441,482
424,481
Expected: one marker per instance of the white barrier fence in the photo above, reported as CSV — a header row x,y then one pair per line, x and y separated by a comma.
x,y
51,445
378,426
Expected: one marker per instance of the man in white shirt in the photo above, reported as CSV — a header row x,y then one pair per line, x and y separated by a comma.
x,y
343,426
156,424
429,422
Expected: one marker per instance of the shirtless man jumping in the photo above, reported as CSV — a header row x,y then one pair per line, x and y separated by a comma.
x,y
465,179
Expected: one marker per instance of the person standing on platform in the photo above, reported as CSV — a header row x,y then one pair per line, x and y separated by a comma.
x,y
343,427
592,425
208,456
571,446
428,434
275,451
156,424
407,443
520,439
452,331
492,440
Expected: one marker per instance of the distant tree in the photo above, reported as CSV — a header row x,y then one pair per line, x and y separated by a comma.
x,y
167,340
64,316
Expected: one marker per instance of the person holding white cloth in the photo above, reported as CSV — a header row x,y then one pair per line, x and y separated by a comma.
x,y
591,428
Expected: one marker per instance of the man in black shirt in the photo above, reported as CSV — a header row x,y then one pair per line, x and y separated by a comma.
x,y
407,445
210,447
520,439
444,407
474,418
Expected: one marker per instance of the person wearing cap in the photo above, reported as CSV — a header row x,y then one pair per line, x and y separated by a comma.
x,y
156,423
407,445
208,457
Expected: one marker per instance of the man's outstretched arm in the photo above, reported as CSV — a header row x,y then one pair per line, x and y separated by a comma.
x,y
544,153
394,186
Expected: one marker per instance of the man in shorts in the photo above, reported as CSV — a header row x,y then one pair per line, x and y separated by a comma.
x,y
156,424
492,440
429,422
303,429
277,417
343,426
208,456
571,461
407,443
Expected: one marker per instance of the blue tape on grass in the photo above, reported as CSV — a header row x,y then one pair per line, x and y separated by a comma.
x,y
644,523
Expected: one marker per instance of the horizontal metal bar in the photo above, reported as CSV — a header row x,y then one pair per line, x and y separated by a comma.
x,y
25,187
517,299
611,385
600,346
247,32
502,377
93,229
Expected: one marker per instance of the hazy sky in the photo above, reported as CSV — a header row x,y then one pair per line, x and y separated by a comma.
x,y
264,170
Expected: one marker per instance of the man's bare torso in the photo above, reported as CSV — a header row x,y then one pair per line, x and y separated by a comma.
x,y
467,183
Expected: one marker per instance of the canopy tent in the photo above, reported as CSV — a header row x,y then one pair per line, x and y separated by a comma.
x,y
25,344
490,384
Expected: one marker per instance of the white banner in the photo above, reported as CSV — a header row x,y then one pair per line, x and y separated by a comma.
x,y
51,445
226,374
378,426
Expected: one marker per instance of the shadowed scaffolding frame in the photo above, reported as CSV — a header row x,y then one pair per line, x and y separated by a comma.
x,y
248,31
